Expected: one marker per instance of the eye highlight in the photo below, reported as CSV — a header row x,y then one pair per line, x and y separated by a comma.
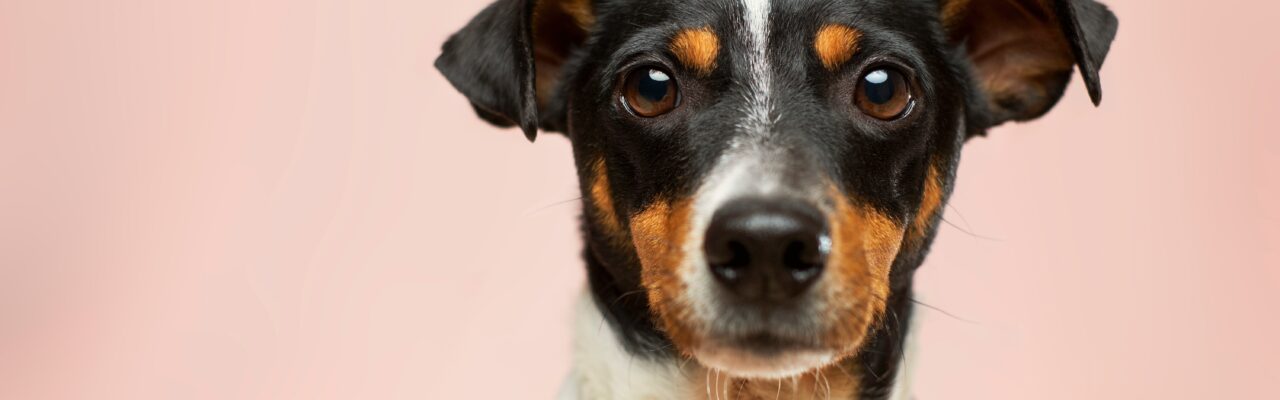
x,y
650,92
883,93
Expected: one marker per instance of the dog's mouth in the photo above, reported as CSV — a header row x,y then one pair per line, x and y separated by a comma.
x,y
763,355
761,277
776,341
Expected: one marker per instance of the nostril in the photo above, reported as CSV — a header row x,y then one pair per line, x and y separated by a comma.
x,y
804,259
766,248
732,260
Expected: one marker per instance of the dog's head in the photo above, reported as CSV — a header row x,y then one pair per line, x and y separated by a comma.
x,y
765,175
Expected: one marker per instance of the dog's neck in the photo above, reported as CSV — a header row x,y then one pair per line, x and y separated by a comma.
x,y
619,354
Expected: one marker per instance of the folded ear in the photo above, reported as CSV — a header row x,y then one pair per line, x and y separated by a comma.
x,y
1023,51
508,59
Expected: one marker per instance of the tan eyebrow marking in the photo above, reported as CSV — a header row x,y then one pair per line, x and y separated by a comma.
x,y
836,44
697,49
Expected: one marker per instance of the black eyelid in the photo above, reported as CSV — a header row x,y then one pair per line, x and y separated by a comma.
x,y
881,61
637,62
642,61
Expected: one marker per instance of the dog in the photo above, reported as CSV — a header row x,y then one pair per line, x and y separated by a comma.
x,y
762,178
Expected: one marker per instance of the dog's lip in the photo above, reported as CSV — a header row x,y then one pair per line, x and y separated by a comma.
x,y
768,344
763,355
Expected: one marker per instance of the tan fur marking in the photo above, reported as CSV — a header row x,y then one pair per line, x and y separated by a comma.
x,y
953,13
930,202
557,25
865,243
836,44
602,201
658,233
697,49
581,12
840,381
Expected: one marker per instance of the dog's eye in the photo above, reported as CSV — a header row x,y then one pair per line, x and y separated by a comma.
x,y
883,93
650,92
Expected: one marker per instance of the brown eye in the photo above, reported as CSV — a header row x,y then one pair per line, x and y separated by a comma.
x,y
883,93
650,92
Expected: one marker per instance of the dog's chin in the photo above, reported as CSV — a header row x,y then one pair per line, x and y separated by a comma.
x,y
756,359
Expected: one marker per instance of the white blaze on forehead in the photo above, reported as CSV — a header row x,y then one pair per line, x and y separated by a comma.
x,y
742,170
756,15
750,167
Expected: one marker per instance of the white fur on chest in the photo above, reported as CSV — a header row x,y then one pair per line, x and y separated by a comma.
x,y
603,369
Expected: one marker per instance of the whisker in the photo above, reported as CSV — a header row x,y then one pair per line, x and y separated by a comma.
x,y
717,383
944,219
826,382
902,348
621,296
682,370
872,371
815,384
727,381
944,312
958,213
548,206
707,381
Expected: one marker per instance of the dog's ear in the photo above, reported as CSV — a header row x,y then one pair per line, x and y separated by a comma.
x,y
1023,51
508,59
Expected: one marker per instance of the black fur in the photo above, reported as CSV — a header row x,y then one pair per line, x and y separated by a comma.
x,y
878,164
1090,28
491,62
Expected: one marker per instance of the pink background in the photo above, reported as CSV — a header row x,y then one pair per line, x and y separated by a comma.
x,y
282,199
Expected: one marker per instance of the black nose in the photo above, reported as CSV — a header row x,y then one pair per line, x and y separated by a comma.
x,y
767,249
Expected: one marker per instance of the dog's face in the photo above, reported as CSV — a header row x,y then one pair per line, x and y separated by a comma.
x,y
767,174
